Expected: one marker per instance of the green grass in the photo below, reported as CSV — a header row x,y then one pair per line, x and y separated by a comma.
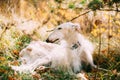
x,y
53,74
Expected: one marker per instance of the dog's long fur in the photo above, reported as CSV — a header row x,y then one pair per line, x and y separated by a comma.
x,y
72,48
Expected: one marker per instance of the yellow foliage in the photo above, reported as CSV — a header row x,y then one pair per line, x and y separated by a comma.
x,y
7,42
0,21
102,30
95,26
118,30
53,21
108,17
95,32
2,58
117,22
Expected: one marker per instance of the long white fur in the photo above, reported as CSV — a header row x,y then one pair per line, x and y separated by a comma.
x,y
61,55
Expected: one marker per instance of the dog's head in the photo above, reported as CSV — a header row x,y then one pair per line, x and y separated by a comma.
x,y
63,31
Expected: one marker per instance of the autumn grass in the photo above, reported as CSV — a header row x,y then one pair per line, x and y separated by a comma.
x,y
108,59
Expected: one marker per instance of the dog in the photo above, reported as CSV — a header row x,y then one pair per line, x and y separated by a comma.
x,y
68,54
70,33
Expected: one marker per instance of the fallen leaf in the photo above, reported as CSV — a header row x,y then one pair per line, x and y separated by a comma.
x,y
16,52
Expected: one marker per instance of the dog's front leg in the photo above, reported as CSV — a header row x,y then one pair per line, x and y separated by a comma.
x,y
90,59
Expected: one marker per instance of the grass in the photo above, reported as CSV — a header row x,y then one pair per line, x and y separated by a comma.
x,y
53,74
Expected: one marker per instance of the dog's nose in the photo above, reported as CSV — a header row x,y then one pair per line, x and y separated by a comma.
x,y
47,40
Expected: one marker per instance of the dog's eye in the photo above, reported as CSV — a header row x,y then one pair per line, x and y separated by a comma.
x,y
59,28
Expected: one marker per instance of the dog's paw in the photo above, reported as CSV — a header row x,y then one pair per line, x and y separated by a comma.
x,y
94,66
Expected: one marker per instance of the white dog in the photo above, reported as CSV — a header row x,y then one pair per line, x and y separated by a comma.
x,y
68,54
70,33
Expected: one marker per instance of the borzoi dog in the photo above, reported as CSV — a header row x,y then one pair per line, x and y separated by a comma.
x,y
71,50
79,45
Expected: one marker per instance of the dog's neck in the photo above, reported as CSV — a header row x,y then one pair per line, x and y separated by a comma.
x,y
63,43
